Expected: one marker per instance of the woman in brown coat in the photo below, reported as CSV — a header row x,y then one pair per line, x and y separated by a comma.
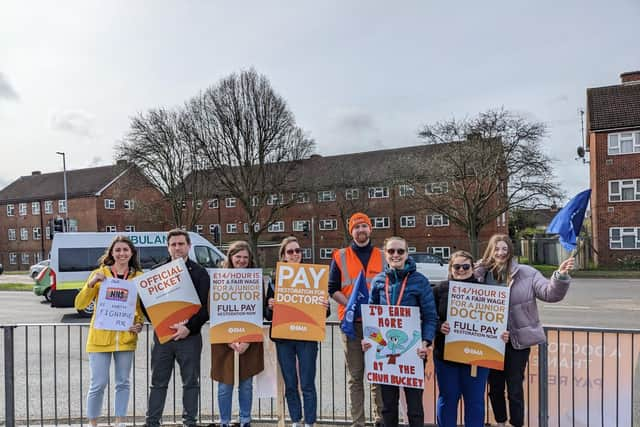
x,y
251,358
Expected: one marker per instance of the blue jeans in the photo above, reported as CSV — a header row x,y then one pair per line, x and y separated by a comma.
x,y
455,381
245,399
306,353
99,364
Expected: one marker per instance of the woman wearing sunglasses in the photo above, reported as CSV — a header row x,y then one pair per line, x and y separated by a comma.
x,y
455,379
526,284
292,352
400,284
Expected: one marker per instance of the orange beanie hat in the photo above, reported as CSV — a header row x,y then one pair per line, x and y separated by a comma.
x,y
358,218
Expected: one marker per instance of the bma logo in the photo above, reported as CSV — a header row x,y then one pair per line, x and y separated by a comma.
x,y
117,294
475,351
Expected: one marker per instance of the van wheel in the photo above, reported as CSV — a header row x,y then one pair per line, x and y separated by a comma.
x,y
88,311
47,294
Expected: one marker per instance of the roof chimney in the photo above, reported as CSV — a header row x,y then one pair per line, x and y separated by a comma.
x,y
34,173
630,77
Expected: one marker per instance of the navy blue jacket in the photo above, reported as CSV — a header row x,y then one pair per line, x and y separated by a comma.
x,y
417,293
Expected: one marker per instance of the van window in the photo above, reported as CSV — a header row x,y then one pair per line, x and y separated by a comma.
x,y
152,255
206,257
79,259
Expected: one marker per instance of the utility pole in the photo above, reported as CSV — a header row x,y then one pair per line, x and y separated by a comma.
x,y
66,201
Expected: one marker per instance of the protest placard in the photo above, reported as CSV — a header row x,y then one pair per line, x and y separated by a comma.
x,y
235,301
116,305
298,312
477,316
395,333
169,297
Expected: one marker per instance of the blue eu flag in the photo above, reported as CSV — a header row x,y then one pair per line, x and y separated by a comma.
x,y
360,295
568,222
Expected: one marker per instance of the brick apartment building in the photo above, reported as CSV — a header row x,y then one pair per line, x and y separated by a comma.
x,y
613,141
330,188
107,198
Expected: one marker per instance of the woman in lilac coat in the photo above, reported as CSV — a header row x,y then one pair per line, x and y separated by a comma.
x,y
498,267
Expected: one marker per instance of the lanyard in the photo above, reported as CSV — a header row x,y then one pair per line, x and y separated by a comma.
x,y
115,275
386,289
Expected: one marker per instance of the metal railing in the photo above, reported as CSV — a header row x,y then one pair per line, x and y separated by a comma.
x,y
592,379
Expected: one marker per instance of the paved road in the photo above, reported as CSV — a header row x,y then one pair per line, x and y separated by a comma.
x,y
598,303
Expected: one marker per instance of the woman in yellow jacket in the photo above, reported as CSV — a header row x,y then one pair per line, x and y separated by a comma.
x,y
119,261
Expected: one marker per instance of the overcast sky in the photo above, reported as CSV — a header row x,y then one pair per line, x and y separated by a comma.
x,y
358,75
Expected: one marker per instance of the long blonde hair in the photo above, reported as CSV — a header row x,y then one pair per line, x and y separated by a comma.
x,y
501,272
234,248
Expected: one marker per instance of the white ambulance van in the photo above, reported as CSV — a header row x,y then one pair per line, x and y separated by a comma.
x,y
75,255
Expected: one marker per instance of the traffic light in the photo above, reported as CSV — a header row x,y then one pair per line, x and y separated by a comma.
x,y
216,234
305,229
58,225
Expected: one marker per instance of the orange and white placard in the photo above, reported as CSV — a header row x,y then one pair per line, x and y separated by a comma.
x,y
169,297
298,312
477,316
235,302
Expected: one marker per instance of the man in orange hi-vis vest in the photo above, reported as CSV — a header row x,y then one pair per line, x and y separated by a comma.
x,y
347,263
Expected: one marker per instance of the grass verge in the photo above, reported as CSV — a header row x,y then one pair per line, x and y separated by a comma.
x,y
15,287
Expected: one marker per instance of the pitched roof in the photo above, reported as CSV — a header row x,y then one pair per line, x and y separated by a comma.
x,y
613,107
50,186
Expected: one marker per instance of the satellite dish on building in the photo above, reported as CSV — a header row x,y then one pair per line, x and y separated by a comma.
x,y
580,152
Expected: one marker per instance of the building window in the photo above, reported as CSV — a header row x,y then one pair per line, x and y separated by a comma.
x,y
306,253
214,229
442,251
624,238
325,253
213,204
62,206
198,228
301,225
256,227
24,233
624,190
302,197
245,228
230,202
129,204
437,220
130,228
198,204
436,188
406,190
24,258
380,222
275,199
110,228
328,224
22,209
326,196
623,143
47,232
12,234
378,192
408,221
276,227
412,249
36,233
48,206
501,220
232,228
109,204
13,258
35,208
352,194
10,210
37,257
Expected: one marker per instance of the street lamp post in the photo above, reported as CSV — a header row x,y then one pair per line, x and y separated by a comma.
x,y
66,202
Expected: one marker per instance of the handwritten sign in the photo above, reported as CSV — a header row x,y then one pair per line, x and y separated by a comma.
x,y
298,312
169,297
477,316
116,305
235,301
395,333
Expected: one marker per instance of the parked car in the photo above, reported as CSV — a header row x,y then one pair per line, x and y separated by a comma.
x,y
35,269
432,266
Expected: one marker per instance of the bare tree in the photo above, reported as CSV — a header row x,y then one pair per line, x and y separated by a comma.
x,y
492,163
169,161
250,144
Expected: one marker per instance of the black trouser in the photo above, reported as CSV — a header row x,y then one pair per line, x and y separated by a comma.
x,y
390,399
515,363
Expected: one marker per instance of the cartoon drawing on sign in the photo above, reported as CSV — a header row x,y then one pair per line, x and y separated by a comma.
x,y
394,346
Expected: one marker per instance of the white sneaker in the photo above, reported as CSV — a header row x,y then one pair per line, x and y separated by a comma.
x,y
308,425
296,425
